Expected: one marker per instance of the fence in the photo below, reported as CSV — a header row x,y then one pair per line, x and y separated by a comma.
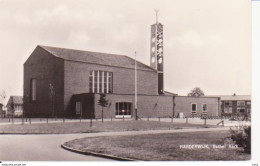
x,y
23,121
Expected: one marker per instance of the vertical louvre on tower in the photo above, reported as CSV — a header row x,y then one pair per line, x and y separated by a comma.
x,y
156,60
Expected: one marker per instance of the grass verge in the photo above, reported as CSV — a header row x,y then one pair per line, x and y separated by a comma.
x,y
161,147
84,127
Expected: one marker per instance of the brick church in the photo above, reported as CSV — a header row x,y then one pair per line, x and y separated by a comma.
x,y
60,82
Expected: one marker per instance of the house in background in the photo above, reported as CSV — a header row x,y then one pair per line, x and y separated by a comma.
x,y
15,106
1,110
233,104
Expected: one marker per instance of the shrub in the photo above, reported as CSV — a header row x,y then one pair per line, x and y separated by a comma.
x,y
242,137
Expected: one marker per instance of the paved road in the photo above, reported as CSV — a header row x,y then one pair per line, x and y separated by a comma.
x,y
40,148
46,147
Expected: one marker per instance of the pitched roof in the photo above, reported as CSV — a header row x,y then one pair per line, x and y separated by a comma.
x,y
233,97
95,57
16,99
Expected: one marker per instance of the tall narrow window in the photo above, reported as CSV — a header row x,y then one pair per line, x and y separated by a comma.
x,y
91,89
110,86
95,81
193,108
100,82
33,89
105,82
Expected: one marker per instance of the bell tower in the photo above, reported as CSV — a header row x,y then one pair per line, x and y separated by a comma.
x,y
156,59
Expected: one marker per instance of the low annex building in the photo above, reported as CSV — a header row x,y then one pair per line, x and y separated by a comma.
x,y
61,82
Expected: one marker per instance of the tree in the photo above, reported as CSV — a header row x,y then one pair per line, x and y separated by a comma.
x,y
3,96
103,102
11,107
196,92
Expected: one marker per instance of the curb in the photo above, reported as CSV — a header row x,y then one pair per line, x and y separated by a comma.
x,y
97,154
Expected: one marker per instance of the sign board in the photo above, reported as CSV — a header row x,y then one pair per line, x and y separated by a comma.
x,y
181,115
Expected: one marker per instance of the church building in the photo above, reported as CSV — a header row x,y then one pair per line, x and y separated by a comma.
x,y
61,82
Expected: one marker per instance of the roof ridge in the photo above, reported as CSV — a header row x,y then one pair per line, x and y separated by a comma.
x,y
42,46
140,62
87,57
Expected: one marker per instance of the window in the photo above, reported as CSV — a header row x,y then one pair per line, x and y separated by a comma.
x,y
100,82
228,110
19,108
228,103
204,108
241,103
91,82
33,89
241,110
193,108
123,109
78,107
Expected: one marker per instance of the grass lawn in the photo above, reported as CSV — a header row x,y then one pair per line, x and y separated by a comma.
x,y
77,127
161,147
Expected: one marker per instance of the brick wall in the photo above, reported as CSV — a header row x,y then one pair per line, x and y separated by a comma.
x,y
148,105
46,69
76,79
183,104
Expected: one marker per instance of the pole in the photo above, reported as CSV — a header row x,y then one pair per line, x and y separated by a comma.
x,y
136,117
156,11
91,119
102,115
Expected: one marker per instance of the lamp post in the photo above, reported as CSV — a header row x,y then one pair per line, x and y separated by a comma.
x,y
136,117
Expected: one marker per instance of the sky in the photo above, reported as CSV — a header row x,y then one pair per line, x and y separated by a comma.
x,y
207,43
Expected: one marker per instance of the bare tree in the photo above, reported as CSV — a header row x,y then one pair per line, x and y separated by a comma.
x,y
52,96
3,96
196,92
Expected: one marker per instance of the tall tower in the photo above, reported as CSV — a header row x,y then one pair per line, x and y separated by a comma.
x,y
156,60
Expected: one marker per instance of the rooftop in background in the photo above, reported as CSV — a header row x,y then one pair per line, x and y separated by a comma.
x,y
17,99
233,97
95,57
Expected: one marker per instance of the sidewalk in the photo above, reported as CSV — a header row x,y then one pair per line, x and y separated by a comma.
x,y
213,122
